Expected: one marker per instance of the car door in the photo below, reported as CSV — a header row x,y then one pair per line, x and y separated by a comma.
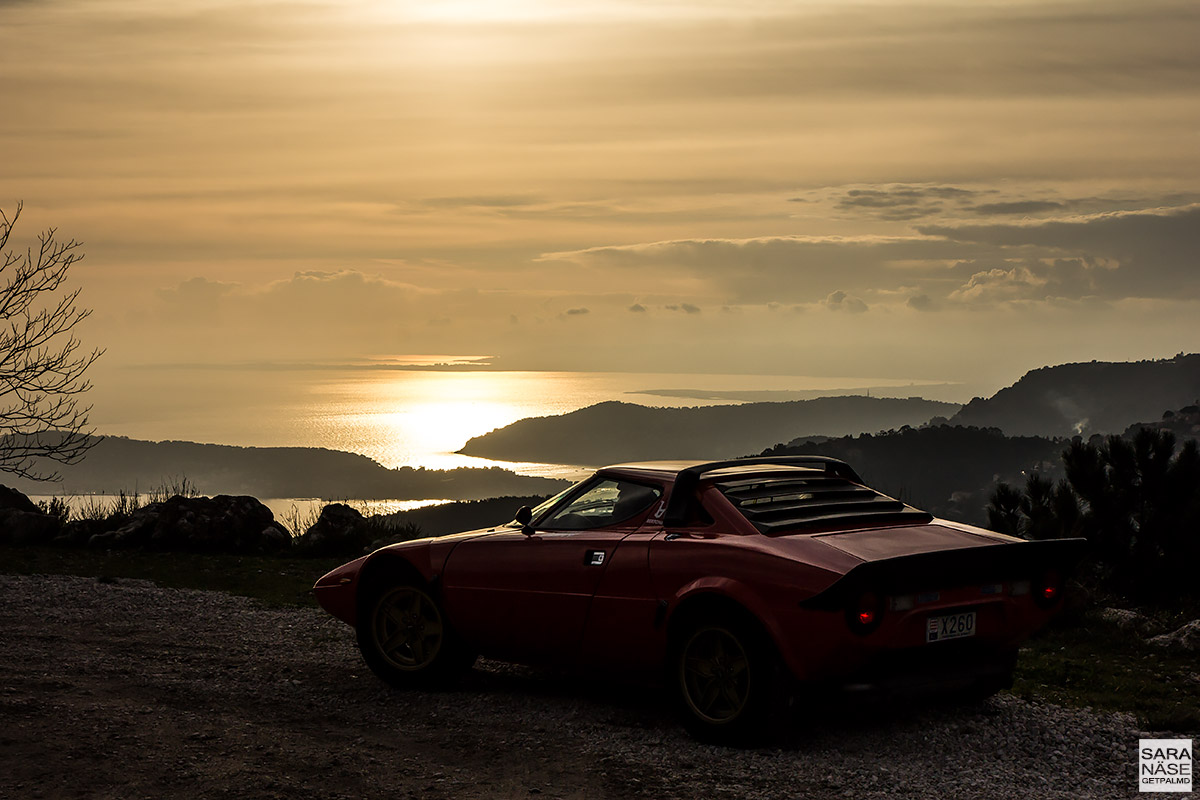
x,y
524,594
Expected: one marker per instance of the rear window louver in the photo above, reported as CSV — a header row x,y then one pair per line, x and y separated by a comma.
x,y
774,505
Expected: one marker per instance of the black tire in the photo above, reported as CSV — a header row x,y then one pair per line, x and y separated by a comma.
x,y
405,639
728,681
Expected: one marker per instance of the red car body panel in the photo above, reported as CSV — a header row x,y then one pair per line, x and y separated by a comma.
x,y
605,599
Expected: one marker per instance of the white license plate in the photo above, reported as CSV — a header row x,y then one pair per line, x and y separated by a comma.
x,y
950,626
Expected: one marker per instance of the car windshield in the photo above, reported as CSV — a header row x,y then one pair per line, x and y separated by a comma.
x,y
545,506
602,503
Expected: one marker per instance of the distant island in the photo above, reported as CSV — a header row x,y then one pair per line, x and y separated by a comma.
x,y
612,432
780,395
1087,398
119,464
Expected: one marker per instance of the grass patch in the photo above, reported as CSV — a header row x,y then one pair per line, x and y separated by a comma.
x,y
276,580
1093,663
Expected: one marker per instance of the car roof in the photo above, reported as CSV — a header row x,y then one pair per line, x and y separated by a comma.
x,y
669,469
775,494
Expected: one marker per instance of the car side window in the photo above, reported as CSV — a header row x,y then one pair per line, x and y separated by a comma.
x,y
607,502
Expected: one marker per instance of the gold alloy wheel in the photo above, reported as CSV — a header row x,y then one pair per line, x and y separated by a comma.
x,y
406,628
714,673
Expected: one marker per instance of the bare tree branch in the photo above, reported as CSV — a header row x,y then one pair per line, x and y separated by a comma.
x,y
41,364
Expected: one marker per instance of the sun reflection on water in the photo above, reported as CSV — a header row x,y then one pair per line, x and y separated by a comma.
x,y
399,417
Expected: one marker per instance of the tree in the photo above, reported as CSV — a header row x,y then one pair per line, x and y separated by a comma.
x,y
1136,500
42,365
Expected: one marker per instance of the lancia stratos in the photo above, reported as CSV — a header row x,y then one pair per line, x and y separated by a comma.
x,y
734,584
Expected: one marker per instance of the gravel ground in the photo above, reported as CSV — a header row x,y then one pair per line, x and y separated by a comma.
x,y
127,690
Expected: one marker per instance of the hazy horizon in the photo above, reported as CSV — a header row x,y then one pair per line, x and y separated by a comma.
x,y
401,418
905,189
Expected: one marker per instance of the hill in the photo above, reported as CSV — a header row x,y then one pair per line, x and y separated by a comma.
x,y
1184,424
465,516
1084,399
947,470
117,464
612,432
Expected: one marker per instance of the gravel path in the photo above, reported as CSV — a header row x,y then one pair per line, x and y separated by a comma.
x,y
127,691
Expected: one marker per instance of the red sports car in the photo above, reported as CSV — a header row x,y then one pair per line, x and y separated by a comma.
x,y
730,582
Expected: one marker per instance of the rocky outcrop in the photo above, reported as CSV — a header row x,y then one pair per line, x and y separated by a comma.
x,y
14,500
221,524
339,531
22,522
1185,639
28,527
1130,621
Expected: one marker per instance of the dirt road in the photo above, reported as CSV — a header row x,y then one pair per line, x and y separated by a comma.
x,y
126,691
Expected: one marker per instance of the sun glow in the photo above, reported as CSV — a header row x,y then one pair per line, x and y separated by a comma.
x,y
518,11
470,11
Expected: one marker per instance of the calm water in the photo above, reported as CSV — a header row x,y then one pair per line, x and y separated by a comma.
x,y
297,513
404,417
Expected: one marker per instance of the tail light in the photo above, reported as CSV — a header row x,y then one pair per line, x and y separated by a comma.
x,y
865,614
1048,589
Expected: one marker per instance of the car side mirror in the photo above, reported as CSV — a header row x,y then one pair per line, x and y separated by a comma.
x,y
525,516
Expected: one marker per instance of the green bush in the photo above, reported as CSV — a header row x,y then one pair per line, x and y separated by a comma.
x,y
1136,501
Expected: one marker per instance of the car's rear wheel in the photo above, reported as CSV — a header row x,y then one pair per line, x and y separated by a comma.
x,y
727,679
405,639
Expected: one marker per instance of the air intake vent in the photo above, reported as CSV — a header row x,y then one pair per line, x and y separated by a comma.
x,y
779,504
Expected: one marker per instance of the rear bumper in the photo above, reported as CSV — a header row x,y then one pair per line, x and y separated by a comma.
x,y
819,642
820,647
948,668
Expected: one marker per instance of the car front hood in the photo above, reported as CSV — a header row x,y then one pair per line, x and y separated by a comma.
x,y
905,540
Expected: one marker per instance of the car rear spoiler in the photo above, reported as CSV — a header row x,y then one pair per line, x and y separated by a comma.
x,y
945,569
683,493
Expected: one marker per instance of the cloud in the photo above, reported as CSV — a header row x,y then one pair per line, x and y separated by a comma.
x,y
1148,253
840,301
1018,207
482,201
904,202
1052,279
920,302
1145,253
197,290
782,268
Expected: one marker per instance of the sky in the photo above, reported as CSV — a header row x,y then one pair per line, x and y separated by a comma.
x,y
931,190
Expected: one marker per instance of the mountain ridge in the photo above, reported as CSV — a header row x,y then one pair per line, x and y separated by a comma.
x,y
615,431
1085,398
117,463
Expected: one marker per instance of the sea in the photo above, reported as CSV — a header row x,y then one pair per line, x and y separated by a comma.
x,y
417,417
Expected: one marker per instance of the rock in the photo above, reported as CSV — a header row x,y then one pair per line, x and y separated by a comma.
x,y
1185,639
28,527
221,524
275,534
11,498
1130,621
339,531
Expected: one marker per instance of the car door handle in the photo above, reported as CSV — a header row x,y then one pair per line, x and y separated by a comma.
x,y
593,558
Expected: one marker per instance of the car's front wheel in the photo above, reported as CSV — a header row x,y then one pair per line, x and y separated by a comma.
x,y
727,679
404,638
